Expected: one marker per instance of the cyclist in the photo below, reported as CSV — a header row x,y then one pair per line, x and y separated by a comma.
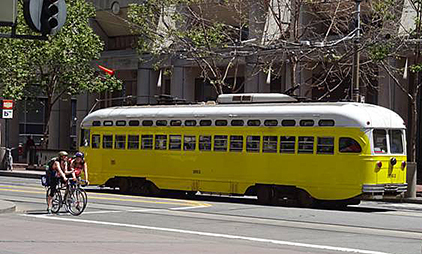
x,y
61,169
78,164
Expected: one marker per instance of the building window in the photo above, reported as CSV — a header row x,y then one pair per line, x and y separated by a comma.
x,y
189,143
237,122
205,143
349,145
288,122
96,141
306,145
236,143
287,144
160,142
220,143
325,145
270,122
253,143
107,141
254,122
269,144
175,142
146,142
133,142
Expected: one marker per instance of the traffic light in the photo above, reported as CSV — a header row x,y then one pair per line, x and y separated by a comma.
x,y
45,16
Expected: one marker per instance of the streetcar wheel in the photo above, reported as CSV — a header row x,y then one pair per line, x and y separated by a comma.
x,y
305,200
124,185
264,195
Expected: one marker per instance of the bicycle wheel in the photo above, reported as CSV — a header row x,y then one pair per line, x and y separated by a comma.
x,y
76,202
57,200
85,196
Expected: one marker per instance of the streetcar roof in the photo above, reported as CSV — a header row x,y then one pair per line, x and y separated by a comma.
x,y
345,114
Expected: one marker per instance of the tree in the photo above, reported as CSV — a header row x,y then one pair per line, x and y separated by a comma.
x,y
60,65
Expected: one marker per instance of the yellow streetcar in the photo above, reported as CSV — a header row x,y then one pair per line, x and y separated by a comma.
x,y
266,145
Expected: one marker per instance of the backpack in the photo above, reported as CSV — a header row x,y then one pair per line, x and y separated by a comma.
x,y
46,179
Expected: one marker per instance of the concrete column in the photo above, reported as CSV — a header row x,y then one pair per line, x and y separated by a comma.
x,y
183,83
60,120
305,89
255,79
146,85
84,104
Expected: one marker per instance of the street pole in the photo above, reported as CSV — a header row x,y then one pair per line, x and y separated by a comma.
x,y
355,89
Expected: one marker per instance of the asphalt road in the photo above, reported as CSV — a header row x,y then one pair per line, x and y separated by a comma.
x,y
114,223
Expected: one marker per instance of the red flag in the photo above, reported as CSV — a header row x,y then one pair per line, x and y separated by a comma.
x,y
108,71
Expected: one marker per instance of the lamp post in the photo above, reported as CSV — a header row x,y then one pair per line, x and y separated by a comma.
x,y
355,87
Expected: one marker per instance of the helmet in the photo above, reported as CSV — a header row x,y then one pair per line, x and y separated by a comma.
x,y
63,153
79,154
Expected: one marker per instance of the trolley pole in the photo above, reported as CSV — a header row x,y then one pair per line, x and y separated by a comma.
x,y
355,89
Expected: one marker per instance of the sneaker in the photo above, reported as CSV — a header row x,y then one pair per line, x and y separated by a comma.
x,y
49,210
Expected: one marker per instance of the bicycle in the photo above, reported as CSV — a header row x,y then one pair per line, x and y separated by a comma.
x,y
74,198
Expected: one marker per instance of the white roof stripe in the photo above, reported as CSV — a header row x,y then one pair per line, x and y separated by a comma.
x,y
346,114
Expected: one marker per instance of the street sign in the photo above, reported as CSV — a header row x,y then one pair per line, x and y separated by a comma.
x,y
8,113
7,104
8,12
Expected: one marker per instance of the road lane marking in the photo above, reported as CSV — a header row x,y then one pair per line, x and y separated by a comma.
x,y
216,235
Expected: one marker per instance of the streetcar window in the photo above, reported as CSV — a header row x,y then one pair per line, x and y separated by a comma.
x,y
146,142
84,137
147,123
108,123
96,123
190,123
237,122
205,143
160,142
396,141
288,122
306,122
107,141
161,123
325,145
175,142
96,141
349,145
133,142
176,123
287,144
236,143
120,142
326,122
220,122
205,122
220,143
269,144
380,141
133,123
121,123
189,143
253,143
254,122
306,145
270,122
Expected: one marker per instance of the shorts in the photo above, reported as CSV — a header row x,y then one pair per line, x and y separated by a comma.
x,y
54,182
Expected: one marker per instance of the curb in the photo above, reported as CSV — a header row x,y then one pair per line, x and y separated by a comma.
x,y
7,207
20,174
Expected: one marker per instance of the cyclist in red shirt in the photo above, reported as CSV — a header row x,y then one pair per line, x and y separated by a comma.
x,y
77,164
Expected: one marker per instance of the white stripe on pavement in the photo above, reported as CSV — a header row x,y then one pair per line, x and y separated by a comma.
x,y
226,236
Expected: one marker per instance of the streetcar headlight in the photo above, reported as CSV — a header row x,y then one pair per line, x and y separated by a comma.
x,y
379,164
403,165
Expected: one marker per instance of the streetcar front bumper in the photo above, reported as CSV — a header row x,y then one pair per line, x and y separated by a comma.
x,y
384,189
